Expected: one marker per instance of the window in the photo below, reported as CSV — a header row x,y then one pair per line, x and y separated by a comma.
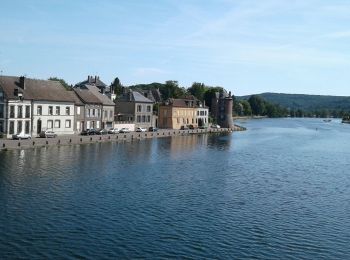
x,y
87,112
197,113
143,118
58,110
139,108
27,111
98,124
67,111
138,119
12,128
148,108
39,110
106,115
78,110
148,118
88,124
1,111
19,127
12,111
98,112
178,120
1,95
49,124
27,125
50,110
68,123
19,111
1,126
93,112
57,123
111,114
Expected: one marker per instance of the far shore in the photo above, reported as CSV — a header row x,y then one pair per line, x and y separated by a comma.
x,y
248,117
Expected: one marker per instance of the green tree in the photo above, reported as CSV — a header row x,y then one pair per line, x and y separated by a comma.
x,y
247,110
210,94
117,86
63,82
198,90
257,104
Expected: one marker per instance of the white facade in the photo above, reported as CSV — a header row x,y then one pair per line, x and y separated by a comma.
x,y
18,117
56,116
202,116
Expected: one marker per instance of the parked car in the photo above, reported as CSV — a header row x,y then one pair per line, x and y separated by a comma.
x,y
141,129
153,129
191,127
20,136
184,127
113,130
124,130
89,132
102,132
202,127
215,126
47,134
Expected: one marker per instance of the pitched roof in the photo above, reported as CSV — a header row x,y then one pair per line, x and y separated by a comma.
x,y
190,101
35,89
103,98
134,96
94,81
87,96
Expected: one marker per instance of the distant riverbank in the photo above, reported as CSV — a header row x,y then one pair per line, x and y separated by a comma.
x,y
248,117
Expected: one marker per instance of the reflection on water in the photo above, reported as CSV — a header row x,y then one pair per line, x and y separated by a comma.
x,y
277,191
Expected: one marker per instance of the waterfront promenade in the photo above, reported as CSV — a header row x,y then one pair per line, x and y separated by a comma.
x,y
6,144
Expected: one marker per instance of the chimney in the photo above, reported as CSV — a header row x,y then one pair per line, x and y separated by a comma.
x,y
22,82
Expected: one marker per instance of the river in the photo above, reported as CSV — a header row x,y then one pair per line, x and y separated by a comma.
x,y
280,190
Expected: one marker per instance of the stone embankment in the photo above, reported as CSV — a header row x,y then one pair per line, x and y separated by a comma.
x,y
121,137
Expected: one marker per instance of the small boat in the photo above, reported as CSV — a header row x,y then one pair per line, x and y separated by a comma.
x,y
327,120
346,120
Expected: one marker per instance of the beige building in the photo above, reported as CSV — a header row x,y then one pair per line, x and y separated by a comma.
x,y
181,113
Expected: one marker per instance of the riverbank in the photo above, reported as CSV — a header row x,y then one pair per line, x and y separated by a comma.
x,y
121,137
248,117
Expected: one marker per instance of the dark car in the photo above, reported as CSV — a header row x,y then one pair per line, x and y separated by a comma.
x,y
102,132
47,134
153,129
89,132
184,127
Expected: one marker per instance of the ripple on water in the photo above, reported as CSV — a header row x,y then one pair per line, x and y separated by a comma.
x,y
277,191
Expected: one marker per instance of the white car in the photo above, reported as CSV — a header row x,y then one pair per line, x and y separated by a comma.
x,y
113,130
124,130
215,126
141,129
21,135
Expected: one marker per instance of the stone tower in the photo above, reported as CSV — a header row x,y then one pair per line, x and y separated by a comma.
x,y
221,109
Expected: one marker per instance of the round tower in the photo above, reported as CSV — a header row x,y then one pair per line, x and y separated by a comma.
x,y
228,104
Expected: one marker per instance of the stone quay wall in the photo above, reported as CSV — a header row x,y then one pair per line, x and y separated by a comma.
x,y
6,144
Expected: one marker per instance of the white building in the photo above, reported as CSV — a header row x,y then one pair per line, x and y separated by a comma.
x,y
55,116
32,106
202,116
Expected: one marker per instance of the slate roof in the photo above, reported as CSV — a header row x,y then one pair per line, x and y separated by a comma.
x,y
35,89
93,81
103,98
190,101
152,94
87,96
134,96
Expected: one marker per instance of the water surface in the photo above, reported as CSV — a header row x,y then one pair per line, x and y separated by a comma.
x,y
277,191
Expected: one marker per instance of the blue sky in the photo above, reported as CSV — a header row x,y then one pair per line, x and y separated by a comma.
x,y
246,46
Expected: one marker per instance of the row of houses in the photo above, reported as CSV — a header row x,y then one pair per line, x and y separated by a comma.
x,y
32,105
